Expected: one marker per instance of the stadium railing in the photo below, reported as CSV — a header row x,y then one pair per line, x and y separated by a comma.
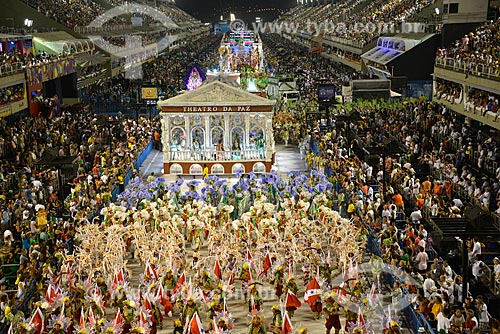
x,y
467,66
10,69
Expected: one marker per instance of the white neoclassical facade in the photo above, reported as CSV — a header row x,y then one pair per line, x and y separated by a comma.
x,y
219,126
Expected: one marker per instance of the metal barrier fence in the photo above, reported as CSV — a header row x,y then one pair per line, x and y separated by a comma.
x,y
10,69
467,66
103,28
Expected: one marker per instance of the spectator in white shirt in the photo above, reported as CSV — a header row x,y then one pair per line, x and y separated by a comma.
x,y
476,249
422,231
421,260
448,272
427,286
484,319
442,321
416,216
496,268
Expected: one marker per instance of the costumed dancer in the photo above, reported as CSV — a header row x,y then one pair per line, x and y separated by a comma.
x,y
245,277
332,314
257,325
255,301
189,309
392,328
292,286
278,281
277,322
351,318
317,308
128,311
178,328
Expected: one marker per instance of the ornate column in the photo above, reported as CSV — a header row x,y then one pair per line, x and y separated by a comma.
x,y
187,129
247,131
269,137
206,120
227,132
165,136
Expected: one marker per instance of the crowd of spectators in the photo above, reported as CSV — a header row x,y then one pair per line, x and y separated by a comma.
x,y
38,224
479,47
452,159
482,101
167,71
449,91
11,94
73,13
476,100
79,13
7,58
27,60
398,219
308,70
354,20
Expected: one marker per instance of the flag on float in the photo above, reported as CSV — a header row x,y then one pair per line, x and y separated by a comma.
x,y
250,278
97,292
216,328
160,294
82,318
37,321
118,319
143,319
204,296
313,292
372,297
287,324
341,293
68,271
254,307
217,270
230,279
91,317
51,295
150,271
195,326
180,283
250,260
267,264
292,300
147,305
61,315
118,279
351,272
361,319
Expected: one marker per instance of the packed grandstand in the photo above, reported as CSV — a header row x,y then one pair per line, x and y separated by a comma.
x,y
389,224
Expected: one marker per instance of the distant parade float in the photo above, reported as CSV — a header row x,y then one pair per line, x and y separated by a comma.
x,y
219,127
216,127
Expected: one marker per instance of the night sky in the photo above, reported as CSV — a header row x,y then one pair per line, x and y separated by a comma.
x,y
211,10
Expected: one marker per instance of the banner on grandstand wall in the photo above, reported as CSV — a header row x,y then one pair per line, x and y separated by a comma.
x,y
49,71
5,110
